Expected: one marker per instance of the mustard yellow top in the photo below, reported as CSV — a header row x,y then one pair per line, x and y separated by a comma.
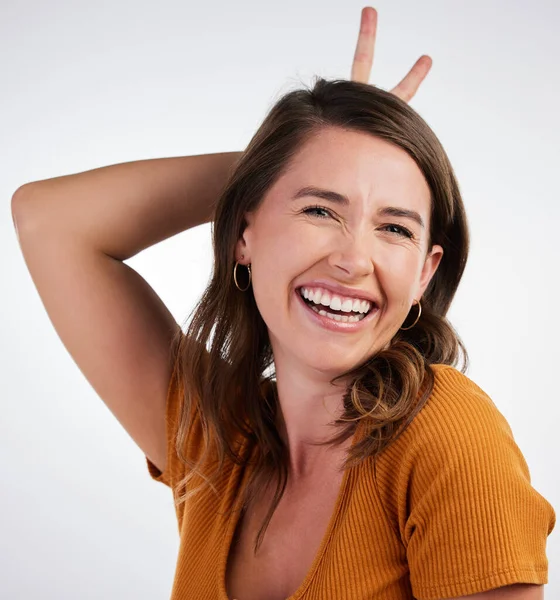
x,y
448,510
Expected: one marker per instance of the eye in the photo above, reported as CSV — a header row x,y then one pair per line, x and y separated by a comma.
x,y
403,231
310,209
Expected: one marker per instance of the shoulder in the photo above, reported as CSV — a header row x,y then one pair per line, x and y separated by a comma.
x,y
457,410
458,423
458,455
458,492
456,393
459,435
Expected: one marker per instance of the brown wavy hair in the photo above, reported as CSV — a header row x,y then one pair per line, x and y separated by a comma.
x,y
225,353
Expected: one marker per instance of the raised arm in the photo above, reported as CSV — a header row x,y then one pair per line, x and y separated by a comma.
x,y
75,232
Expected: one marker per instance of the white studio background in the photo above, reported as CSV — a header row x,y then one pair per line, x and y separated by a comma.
x,y
92,84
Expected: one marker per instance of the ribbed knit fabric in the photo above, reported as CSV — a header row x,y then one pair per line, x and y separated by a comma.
x,y
447,510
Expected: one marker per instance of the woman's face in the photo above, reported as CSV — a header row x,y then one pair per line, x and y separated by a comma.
x,y
290,244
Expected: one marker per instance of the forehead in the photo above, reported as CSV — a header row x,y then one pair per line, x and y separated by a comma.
x,y
358,165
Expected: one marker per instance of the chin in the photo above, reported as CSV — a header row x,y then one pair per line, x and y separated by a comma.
x,y
332,367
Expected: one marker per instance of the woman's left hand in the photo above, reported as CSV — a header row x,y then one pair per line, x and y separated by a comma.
x,y
363,59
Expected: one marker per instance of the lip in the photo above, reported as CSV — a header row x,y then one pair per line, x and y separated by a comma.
x,y
341,290
333,325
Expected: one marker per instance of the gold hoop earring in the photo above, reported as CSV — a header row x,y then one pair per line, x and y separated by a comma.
x,y
419,313
235,276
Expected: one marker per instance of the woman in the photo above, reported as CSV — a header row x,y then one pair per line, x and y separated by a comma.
x,y
318,439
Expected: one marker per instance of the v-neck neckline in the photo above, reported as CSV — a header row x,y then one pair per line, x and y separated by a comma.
x,y
233,520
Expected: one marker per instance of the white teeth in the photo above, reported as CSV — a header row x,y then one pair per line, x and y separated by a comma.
x,y
343,318
347,306
335,303
325,298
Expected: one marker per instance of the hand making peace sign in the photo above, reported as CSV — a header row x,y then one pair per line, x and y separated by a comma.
x,y
363,59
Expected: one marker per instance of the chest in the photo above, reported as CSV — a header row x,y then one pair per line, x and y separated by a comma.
x,y
291,544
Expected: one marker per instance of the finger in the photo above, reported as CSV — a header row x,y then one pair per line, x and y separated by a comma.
x,y
406,89
363,56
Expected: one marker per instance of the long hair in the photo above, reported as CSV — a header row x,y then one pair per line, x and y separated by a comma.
x,y
225,353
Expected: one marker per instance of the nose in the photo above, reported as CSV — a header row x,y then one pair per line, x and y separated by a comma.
x,y
353,255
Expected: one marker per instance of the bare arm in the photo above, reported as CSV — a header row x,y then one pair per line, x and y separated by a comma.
x,y
122,209
74,232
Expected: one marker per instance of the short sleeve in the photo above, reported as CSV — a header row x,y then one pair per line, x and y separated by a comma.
x,y
471,521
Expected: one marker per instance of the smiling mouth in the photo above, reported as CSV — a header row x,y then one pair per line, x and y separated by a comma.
x,y
336,315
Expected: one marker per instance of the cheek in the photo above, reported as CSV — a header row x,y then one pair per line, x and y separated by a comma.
x,y
397,271
282,251
273,268
271,293
279,258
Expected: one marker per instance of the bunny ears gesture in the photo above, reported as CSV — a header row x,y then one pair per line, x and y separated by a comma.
x,y
363,59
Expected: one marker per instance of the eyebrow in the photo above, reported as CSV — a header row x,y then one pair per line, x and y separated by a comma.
x,y
336,198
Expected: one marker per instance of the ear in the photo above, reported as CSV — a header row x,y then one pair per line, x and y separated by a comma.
x,y
430,267
244,243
